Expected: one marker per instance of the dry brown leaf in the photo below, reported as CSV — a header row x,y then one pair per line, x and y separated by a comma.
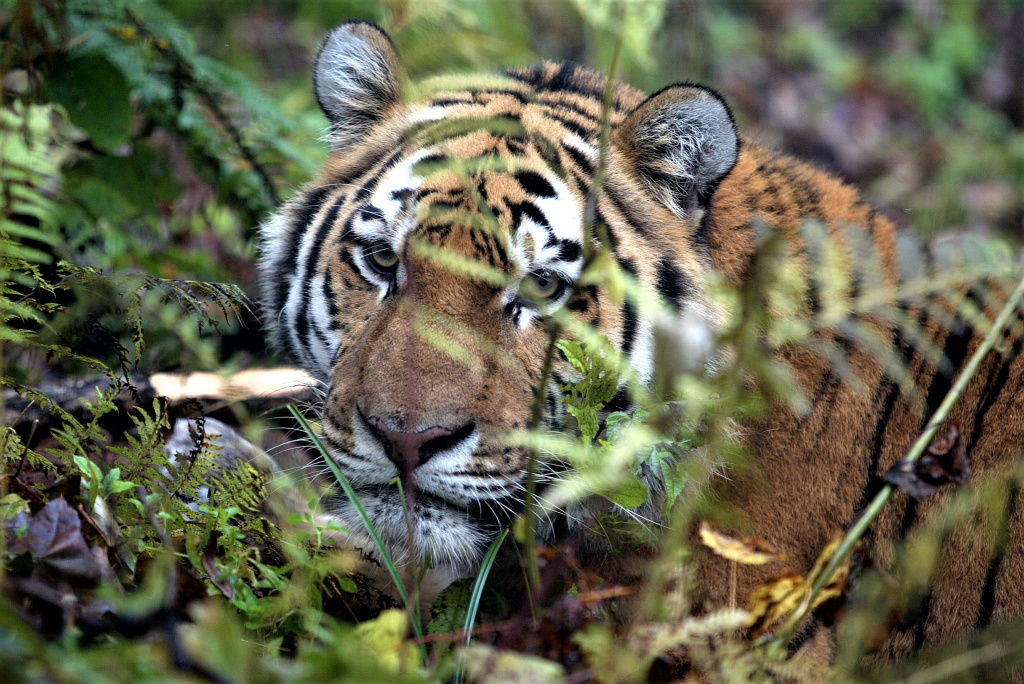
x,y
54,538
945,461
739,548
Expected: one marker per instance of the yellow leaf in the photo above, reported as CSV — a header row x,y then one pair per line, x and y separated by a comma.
x,y
740,548
837,582
770,602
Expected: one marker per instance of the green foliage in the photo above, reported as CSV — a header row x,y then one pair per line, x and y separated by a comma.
x,y
596,388
96,97
28,160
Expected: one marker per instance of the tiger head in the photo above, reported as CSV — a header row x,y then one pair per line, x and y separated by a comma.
x,y
414,276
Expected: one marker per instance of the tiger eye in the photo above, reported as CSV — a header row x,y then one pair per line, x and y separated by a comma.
x,y
543,284
382,258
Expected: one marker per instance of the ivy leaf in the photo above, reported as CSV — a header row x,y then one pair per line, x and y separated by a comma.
x,y
448,614
616,424
586,417
574,354
671,475
629,494
97,98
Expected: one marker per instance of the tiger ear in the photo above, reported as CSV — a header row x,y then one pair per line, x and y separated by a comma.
x,y
356,79
683,141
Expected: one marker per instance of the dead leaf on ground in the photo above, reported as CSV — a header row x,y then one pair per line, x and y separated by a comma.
x,y
740,548
54,538
945,461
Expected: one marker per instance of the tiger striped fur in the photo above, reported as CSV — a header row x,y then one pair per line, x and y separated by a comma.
x,y
347,278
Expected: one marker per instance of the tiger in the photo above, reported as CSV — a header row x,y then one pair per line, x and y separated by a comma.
x,y
350,264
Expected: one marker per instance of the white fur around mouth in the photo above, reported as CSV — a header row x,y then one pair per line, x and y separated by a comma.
x,y
447,536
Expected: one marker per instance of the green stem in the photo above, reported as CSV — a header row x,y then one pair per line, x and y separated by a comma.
x,y
530,505
477,594
537,410
417,628
859,527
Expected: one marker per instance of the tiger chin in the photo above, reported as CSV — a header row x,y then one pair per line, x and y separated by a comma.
x,y
350,275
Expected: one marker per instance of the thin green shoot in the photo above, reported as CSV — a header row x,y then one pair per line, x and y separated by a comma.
x,y
481,580
478,591
415,605
363,516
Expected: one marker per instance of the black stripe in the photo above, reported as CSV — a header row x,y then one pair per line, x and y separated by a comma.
x,y
574,126
572,107
301,323
449,101
954,350
613,240
535,184
636,222
629,321
569,250
305,211
874,480
996,386
566,80
988,591
531,76
518,209
581,161
332,303
809,629
922,614
672,285
370,183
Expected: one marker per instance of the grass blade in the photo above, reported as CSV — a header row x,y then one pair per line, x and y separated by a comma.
x,y
481,580
351,494
417,628
478,592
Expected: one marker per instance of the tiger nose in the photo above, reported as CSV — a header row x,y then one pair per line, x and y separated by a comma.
x,y
410,450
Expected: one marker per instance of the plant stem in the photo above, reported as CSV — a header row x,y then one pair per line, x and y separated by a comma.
x,y
385,556
537,410
862,523
529,507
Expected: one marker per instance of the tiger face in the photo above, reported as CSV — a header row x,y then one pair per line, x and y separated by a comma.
x,y
416,275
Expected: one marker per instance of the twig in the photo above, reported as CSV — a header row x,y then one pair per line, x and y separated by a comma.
x,y
28,444
862,523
